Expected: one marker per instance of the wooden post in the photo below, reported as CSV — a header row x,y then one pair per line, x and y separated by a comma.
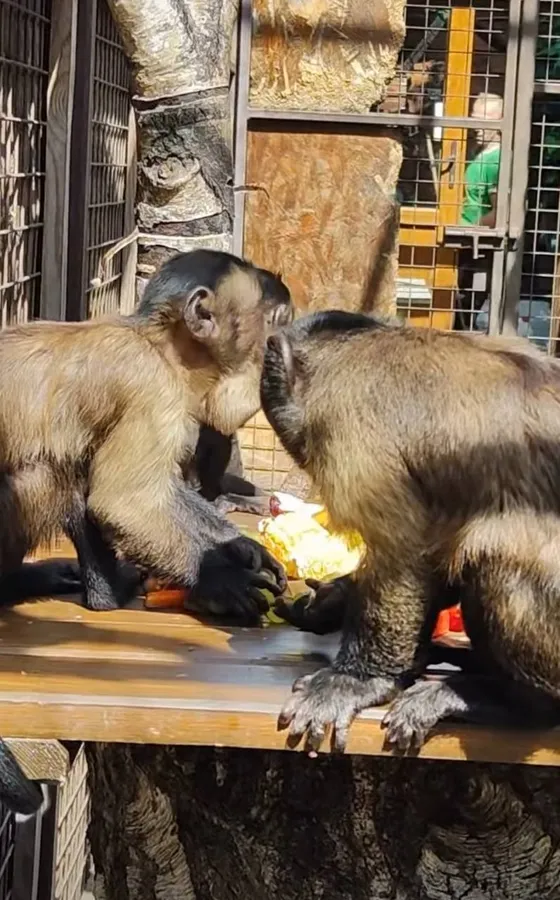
x,y
80,162
60,98
130,253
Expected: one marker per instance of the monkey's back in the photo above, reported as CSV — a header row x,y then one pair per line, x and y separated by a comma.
x,y
464,423
63,385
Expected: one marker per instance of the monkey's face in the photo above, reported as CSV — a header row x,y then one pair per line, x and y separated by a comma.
x,y
218,311
248,306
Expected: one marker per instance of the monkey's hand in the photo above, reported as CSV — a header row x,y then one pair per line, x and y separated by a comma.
x,y
330,698
321,611
232,577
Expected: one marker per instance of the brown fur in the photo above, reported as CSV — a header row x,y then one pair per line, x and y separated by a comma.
x,y
443,451
113,407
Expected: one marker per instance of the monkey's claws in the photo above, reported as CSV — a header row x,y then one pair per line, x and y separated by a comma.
x,y
412,716
328,698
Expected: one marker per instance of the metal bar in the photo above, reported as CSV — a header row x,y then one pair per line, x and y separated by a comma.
x,y
241,125
397,120
496,289
520,164
510,90
80,158
547,87
60,98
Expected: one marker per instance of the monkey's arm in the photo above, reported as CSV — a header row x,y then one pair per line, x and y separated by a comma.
x,y
384,647
161,524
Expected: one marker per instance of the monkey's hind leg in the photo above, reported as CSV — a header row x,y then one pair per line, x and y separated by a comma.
x,y
107,583
40,579
386,626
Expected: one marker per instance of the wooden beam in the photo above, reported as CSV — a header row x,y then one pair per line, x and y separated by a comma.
x,y
41,760
130,253
80,162
60,98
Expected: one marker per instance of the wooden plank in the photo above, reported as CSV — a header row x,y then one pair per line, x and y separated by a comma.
x,y
139,676
41,760
323,56
60,98
130,253
80,159
321,211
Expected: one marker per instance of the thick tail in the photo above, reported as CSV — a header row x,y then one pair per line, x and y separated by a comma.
x,y
17,792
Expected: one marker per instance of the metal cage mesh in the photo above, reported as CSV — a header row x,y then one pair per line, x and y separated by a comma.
x,y
71,852
24,66
108,179
455,72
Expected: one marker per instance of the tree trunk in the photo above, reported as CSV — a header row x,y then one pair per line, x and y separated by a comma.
x,y
225,824
181,55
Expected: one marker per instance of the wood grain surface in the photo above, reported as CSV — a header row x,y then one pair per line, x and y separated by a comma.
x,y
139,676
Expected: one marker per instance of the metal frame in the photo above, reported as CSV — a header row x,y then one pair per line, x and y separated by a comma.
x,y
504,240
520,168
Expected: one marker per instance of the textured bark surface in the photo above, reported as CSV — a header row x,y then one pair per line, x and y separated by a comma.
x,y
176,47
218,825
182,59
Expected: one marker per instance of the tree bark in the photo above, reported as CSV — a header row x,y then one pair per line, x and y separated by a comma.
x,y
182,61
225,824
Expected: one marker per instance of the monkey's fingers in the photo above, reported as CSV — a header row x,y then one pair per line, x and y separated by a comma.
x,y
261,580
341,729
289,709
313,583
258,599
315,736
268,562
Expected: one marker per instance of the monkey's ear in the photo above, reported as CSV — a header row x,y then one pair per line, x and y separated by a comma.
x,y
198,316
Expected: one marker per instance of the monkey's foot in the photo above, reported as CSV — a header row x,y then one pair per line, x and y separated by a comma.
x,y
228,503
418,709
328,698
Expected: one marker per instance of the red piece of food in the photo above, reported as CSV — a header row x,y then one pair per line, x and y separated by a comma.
x,y
442,624
456,619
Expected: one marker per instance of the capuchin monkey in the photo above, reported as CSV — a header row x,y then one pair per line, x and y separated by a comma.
x,y
217,470
443,452
99,421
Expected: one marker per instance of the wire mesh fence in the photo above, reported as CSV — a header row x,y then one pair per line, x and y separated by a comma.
x,y
108,162
24,69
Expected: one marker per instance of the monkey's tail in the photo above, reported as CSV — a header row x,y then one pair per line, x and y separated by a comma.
x,y
17,792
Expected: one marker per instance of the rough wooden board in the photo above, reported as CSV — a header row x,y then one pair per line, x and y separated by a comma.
x,y
321,211
137,676
41,760
323,55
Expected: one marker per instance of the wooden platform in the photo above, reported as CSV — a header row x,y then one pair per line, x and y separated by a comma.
x,y
165,678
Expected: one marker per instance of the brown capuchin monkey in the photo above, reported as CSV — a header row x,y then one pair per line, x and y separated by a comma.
x,y
100,421
443,452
